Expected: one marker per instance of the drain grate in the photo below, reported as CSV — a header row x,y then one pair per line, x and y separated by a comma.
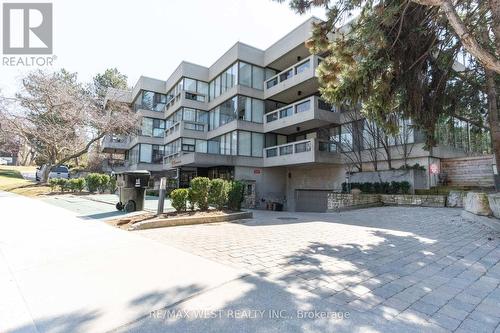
x,y
287,218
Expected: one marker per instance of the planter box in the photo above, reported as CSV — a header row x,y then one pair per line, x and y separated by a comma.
x,y
416,178
188,220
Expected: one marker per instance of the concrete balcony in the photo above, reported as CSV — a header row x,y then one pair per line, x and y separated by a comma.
x,y
307,114
147,111
208,160
188,129
115,144
302,152
187,99
299,79
152,140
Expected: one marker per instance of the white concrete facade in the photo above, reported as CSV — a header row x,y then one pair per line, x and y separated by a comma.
x,y
256,112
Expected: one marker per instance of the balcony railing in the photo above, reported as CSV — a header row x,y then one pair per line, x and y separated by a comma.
x,y
290,110
189,95
158,108
289,148
185,124
292,71
312,149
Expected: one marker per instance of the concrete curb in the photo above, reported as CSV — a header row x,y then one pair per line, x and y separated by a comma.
x,y
490,222
178,221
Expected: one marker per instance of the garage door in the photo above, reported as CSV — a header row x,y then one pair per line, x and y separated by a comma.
x,y
311,200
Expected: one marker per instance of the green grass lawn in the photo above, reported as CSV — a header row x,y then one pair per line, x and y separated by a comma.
x,y
11,180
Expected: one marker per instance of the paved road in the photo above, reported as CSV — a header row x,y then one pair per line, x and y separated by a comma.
x,y
376,270
59,273
395,269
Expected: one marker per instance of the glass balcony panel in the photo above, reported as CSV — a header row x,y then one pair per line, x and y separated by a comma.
x,y
304,106
303,147
286,112
271,117
286,150
302,67
272,152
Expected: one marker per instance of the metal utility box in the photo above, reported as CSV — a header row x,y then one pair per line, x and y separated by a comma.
x,y
132,188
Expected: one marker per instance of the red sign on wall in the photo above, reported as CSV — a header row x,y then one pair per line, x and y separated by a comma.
x,y
434,168
256,171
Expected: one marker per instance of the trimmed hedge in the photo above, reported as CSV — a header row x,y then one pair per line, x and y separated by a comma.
x,y
200,187
179,199
203,192
217,196
235,195
379,187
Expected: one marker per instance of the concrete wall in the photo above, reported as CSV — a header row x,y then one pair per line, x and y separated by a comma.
x,y
320,177
270,183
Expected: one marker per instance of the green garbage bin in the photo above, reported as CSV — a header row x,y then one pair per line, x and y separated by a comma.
x,y
131,189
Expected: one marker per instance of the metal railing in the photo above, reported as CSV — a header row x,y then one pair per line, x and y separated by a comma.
x,y
302,66
289,110
289,148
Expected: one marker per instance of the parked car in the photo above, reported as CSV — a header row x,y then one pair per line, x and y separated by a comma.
x,y
60,171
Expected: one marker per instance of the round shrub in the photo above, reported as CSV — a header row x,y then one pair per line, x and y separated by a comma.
x,y
200,186
53,183
112,184
179,198
236,195
76,184
93,180
103,182
191,202
218,193
63,184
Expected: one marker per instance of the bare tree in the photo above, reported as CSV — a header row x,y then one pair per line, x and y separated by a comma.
x,y
60,118
371,142
350,143
404,139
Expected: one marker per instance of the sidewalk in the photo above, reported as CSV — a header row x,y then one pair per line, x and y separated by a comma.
x,y
59,273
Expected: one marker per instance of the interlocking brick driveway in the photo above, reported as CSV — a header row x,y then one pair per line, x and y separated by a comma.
x,y
414,264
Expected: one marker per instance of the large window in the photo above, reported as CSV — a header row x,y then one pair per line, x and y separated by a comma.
x,y
145,154
153,127
238,107
193,89
225,81
196,118
241,73
241,143
257,144
157,155
150,100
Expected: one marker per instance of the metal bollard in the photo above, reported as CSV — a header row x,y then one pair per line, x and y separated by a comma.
x,y
161,198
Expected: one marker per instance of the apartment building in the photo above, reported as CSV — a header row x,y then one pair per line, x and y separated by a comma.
x,y
254,115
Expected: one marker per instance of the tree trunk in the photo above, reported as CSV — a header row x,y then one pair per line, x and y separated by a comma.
x,y
45,173
493,118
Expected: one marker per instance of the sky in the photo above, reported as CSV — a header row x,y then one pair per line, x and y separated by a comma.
x,y
151,37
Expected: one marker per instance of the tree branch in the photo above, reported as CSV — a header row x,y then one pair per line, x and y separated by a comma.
x,y
487,59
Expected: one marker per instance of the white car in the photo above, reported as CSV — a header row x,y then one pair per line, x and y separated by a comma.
x,y
60,171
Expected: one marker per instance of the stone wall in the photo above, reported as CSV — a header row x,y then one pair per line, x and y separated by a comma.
x,y
413,200
343,201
